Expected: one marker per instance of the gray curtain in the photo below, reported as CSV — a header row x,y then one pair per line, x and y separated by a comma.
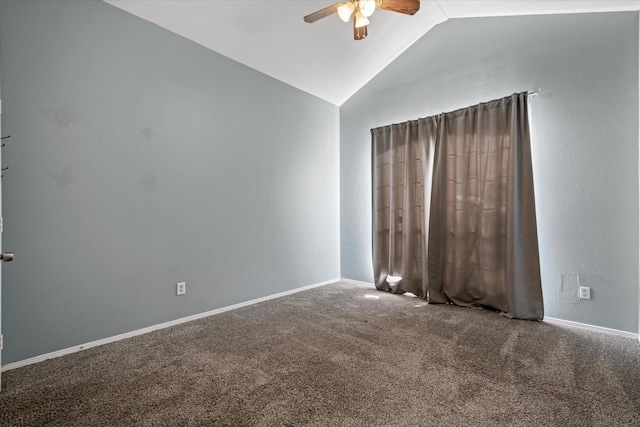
x,y
481,247
402,169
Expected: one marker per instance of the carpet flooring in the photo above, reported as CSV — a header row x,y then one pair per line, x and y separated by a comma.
x,y
338,355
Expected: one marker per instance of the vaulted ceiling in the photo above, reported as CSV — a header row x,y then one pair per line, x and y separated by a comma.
x,y
322,58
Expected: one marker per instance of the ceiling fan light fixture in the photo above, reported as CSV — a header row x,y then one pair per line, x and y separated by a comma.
x,y
367,7
360,10
361,20
345,11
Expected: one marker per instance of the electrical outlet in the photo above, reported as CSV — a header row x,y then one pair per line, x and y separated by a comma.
x,y
584,292
181,288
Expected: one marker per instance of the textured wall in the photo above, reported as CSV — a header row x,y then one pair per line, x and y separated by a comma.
x,y
139,159
585,143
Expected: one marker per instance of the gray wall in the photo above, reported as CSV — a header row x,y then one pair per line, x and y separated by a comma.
x,y
139,159
585,143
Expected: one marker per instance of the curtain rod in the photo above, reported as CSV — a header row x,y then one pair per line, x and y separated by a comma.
x,y
529,93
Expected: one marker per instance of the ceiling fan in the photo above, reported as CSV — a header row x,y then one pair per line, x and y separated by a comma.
x,y
361,10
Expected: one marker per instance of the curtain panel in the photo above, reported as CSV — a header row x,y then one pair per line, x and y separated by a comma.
x,y
464,231
402,171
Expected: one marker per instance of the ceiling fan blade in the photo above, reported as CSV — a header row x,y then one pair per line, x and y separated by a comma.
x,y
408,7
322,13
360,33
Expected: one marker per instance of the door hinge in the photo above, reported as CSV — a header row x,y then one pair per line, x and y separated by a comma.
x,y
1,342
1,224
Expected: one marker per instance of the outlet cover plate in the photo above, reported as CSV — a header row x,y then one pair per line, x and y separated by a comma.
x,y
585,292
181,288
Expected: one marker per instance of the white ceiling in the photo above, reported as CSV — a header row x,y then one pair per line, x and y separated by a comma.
x,y
322,58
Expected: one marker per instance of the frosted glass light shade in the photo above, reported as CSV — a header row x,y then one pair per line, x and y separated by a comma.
x,y
367,7
345,11
361,21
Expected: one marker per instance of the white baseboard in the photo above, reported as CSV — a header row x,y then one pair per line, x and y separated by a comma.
x,y
601,329
164,325
357,282
551,320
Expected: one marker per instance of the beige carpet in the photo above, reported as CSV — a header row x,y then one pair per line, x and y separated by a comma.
x,y
338,355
